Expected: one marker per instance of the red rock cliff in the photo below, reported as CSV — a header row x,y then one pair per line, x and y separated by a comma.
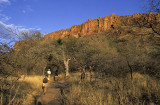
x,y
90,26
100,25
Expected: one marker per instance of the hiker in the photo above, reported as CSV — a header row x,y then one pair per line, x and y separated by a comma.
x,y
49,73
45,81
56,75
82,75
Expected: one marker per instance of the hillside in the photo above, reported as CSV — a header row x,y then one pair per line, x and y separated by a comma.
x,y
99,25
102,24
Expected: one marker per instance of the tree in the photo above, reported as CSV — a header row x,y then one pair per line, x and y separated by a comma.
x,y
149,20
153,6
31,34
64,55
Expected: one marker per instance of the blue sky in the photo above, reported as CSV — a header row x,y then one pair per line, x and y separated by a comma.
x,y
51,15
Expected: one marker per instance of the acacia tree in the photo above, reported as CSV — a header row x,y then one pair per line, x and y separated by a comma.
x,y
31,35
66,59
153,6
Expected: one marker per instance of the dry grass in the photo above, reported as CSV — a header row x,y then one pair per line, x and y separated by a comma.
x,y
61,76
21,91
142,90
32,85
34,81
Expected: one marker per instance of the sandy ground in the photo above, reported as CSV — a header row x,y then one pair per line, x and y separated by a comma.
x,y
53,94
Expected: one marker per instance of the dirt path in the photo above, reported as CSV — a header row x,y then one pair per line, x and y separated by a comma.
x,y
53,94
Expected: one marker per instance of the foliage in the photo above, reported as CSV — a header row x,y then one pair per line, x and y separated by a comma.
x,y
31,35
153,6
107,53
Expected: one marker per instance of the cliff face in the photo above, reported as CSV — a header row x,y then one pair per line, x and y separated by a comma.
x,y
90,26
102,24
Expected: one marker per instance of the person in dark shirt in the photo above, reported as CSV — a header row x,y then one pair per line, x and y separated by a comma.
x,y
45,81
56,75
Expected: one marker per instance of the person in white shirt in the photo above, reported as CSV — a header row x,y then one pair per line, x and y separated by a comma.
x,y
49,73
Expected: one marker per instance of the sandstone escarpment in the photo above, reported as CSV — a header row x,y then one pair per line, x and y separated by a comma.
x,y
102,24
90,26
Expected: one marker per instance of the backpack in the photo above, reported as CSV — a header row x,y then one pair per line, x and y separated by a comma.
x,y
56,73
83,75
45,80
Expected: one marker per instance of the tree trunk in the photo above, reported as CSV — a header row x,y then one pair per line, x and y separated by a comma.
x,y
66,64
90,73
130,69
154,29
1,95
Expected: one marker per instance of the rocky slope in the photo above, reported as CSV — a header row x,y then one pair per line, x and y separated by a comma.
x,y
102,24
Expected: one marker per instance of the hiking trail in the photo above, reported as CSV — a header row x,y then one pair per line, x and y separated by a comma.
x,y
53,94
